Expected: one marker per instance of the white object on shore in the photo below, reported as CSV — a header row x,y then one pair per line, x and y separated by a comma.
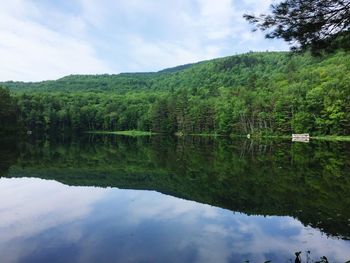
x,y
303,137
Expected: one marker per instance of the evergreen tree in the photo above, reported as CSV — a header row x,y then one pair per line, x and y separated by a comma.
x,y
315,24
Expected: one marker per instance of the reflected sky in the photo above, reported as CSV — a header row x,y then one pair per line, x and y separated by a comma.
x,y
46,221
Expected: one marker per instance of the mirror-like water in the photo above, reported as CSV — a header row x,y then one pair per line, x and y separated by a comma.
x,y
119,199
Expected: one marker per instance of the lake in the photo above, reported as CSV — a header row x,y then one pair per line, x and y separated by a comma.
x,y
104,198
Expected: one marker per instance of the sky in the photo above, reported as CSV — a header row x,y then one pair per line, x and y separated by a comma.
x,y
49,39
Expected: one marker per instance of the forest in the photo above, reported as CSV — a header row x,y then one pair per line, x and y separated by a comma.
x,y
262,93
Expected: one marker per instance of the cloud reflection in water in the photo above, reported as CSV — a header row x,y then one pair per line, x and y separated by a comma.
x,y
42,221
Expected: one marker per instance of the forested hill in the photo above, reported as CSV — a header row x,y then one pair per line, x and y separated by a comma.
x,y
264,70
249,69
266,92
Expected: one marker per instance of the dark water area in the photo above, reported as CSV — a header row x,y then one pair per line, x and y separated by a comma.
x,y
162,199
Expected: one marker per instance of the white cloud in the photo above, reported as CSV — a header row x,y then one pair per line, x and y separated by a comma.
x,y
158,55
96,221
18,215
260,6
175,33
47,40
216,18
33,206
32,51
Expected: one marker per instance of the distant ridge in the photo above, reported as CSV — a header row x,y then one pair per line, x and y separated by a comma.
x,y
231,71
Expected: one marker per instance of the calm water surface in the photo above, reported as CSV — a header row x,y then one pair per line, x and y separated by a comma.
x,y
159,199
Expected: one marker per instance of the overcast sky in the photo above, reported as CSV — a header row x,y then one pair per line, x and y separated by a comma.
x,y
48,39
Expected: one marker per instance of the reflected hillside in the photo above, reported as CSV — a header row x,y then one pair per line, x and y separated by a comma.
x,y
9,153
310,182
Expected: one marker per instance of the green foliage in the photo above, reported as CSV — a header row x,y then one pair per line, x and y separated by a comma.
x,y
314,24
256,93
8,112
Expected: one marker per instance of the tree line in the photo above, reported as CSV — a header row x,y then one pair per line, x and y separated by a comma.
x,y
265,93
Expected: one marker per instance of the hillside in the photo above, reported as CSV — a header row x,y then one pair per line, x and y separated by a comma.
x,y
268,92
229,72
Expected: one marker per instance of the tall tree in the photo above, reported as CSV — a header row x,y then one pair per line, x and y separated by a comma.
x,y
314,24
8,111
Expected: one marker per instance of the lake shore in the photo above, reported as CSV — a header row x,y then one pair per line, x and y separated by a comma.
x,y
136,133
133,133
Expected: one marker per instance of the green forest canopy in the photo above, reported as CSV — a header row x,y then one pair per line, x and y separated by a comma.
x,y
265,93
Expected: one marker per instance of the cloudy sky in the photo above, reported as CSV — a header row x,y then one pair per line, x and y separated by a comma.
x,y
48,39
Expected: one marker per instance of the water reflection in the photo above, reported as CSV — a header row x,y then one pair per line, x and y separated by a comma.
x,y
287,198
45,221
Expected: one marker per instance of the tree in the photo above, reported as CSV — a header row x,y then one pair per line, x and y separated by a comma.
x,y
8,112
314,24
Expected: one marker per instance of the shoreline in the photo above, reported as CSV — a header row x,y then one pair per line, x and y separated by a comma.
x,y
136,133
133,133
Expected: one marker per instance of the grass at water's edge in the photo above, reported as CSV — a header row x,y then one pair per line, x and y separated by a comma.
x,y
148,133
332,138
125,133
320,138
